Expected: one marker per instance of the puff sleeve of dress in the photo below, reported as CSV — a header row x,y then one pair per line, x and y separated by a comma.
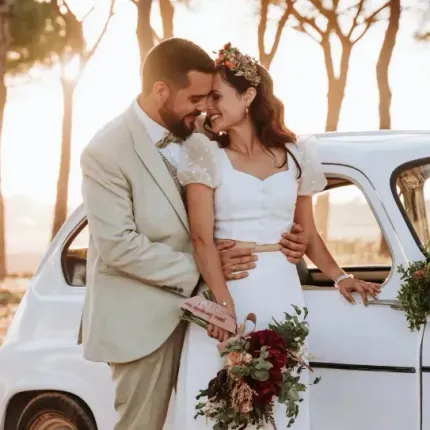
x,y
198,162
313,179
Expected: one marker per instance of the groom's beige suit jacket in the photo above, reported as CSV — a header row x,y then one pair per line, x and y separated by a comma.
x,y
140,257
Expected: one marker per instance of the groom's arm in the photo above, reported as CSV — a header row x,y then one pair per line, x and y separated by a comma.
x,y
108,205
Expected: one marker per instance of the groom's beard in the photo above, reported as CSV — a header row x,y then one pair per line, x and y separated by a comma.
x,y
177,125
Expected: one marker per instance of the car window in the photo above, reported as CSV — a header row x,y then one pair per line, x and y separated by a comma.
x,y
75,258
412,189
348,225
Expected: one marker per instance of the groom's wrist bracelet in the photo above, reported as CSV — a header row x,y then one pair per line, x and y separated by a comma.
x,y
341,278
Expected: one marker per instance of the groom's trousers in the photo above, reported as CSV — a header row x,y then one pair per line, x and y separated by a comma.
x,y
143,387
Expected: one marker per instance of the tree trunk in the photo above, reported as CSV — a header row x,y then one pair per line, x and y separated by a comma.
x,y
336,85
262,25
5,9
383,65
335,97
167,12
266,58
382,69
321,213
60,212
144,31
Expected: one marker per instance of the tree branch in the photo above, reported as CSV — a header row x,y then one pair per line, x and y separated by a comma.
x,y
330,14
369,21
167,12
87,56
422,37
281,25
318,5
309,21
88,13
355,20
155,36
262,25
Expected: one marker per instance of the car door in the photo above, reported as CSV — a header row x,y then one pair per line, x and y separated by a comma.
x,y
412,197
366,356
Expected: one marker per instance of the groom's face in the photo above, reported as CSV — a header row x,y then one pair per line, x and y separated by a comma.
x,y
184,105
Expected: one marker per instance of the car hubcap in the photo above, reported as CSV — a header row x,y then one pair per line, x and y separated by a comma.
x,y
51,421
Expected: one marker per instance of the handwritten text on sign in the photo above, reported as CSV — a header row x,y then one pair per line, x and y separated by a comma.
x,y
211,312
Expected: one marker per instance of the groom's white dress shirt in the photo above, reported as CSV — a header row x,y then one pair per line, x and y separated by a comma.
x,y
157,132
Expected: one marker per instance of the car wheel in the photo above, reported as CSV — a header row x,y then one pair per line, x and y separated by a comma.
x,y
55,411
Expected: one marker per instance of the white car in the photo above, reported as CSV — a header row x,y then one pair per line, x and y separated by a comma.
x,y
375,371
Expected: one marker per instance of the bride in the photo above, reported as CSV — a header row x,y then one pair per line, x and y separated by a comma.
x,y
249,185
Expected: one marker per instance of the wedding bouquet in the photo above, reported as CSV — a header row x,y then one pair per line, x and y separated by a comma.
x,y
261,368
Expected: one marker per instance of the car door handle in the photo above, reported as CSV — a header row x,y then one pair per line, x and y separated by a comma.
x,y
393,304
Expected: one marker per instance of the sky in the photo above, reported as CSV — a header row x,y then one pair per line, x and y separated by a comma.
x,y
32,131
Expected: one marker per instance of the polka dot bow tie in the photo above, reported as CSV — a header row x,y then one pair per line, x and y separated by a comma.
x,y
167,139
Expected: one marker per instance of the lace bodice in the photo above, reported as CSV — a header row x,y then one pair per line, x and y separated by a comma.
x,y
246,207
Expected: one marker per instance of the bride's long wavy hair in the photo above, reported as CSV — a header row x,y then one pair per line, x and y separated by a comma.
x,y
266,113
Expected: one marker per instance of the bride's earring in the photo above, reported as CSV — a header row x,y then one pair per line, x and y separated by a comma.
x,y
246,110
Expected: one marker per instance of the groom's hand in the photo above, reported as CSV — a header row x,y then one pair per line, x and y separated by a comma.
x,y
294,244
235,261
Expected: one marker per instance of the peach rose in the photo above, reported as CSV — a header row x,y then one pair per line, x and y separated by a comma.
x,y
235,358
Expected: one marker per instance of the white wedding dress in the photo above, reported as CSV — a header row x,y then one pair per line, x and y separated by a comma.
x,y
251,210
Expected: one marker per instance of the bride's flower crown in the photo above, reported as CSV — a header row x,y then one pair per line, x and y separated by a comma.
x,y
242,64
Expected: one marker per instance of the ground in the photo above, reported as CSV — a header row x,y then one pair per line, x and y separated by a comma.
x,y
11,292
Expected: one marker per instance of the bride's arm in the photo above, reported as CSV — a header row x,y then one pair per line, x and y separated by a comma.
x,y
200,208
319,254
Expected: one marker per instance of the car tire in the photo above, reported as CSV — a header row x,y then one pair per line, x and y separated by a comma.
x,y
55,411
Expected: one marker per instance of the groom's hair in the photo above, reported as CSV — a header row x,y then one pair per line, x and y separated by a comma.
x,y
171,60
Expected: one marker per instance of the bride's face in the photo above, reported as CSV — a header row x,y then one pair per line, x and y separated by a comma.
x,y
226,107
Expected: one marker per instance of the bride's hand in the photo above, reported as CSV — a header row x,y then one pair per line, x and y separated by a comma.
x,y
365,289
216,332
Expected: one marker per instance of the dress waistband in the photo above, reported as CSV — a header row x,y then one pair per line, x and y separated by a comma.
x,y
269,247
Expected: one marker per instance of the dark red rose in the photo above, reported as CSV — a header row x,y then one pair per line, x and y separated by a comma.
x,y
265,393
277,358
265,338
275,346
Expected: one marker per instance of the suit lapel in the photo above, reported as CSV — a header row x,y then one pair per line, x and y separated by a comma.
x,y
150,157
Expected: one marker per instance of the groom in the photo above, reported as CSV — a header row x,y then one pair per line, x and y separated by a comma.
x,y
140,256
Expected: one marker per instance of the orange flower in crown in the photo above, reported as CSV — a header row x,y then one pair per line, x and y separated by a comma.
x,y
242,64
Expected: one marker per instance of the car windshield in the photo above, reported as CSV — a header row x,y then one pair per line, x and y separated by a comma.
x,y
413,191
